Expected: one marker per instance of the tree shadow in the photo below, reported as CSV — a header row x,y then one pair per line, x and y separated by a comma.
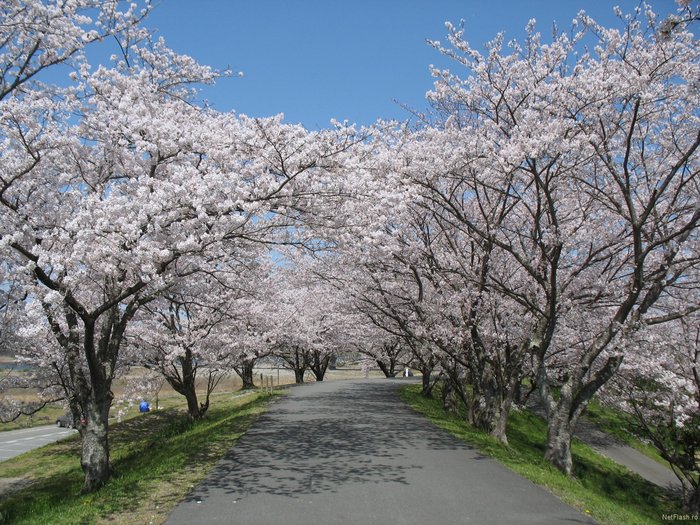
x,y
315,443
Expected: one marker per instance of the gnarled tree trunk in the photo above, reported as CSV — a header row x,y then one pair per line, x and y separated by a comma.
x,y
491,414
563,413
95,447
493,394
184,382
427,384
90,390
558,451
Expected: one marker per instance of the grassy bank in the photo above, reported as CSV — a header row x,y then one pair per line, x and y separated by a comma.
x,y
600,488
157,459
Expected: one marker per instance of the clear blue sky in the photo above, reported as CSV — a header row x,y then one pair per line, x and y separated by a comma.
x,y
315,60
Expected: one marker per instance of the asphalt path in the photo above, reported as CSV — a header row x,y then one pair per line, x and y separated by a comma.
x,y
622,454
15,442
347,452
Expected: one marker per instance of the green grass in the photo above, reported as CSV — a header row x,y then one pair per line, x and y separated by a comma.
x,y
157,458
600,488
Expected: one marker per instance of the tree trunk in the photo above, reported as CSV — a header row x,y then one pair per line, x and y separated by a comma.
x,y
563,413
296,359
560,424
450,398
427,384
189,383
194,410
319,365
185,385
388,370
491,415
245,372
500,424
247,379
492,406
558,451
101,348
95,445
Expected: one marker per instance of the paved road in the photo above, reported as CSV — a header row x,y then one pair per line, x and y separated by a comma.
x,y
351,452
627,456
15,442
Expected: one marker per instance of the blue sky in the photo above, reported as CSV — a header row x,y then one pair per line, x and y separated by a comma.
x,y
315,60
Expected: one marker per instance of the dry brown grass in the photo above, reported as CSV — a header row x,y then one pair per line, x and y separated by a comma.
x,y
167,397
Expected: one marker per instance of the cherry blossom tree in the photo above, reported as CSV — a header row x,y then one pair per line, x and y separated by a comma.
x,y
232,325
593,154
37,36
249,333
543,225
182,334
113,188
389,352
374,269
393,300
390,356
423,282
308,325
16,377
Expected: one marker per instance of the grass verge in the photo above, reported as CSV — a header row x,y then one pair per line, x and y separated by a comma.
x,y
600,488
157,459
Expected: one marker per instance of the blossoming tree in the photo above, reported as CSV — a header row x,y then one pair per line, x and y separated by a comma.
x,y
594,153
113,186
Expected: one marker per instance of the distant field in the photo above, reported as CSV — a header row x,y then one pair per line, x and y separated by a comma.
x,y
166,396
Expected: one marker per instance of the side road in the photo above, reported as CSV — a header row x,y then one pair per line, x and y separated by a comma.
x,y
622,454
627,456
15,442
352,452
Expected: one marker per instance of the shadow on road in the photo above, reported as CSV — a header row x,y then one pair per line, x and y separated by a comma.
x,y
311,444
